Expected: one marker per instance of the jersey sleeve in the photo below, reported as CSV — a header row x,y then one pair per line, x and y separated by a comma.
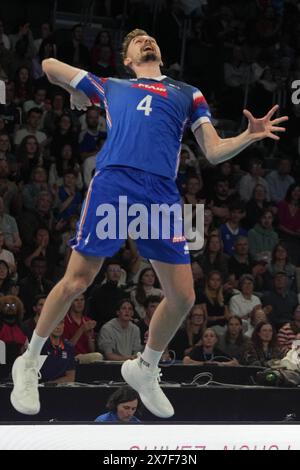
x,y
94,87
200,112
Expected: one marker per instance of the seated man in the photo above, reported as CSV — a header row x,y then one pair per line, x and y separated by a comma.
x,y
59,366
119,339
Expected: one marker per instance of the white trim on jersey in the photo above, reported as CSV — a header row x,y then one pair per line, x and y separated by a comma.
x,y
78,77
200,120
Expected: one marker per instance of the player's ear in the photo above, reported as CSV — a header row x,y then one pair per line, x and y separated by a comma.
x,y
127,61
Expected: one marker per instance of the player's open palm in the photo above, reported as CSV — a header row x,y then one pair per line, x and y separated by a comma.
x,y
265,126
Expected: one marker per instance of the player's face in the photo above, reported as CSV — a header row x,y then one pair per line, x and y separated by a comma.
x,y
142,49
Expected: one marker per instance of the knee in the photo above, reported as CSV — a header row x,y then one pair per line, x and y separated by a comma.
x,y
184,301
72,288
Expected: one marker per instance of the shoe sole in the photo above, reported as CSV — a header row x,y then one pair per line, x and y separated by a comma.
x,y
126,374
20,408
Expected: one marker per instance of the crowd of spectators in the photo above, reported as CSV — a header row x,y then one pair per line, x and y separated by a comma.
x,y
246,276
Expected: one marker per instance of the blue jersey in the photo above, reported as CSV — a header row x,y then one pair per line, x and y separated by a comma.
x,y
146,119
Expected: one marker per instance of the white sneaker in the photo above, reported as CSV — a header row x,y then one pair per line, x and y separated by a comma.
x,y
146,382
25,396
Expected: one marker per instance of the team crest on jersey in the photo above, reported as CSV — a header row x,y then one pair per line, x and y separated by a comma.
x,y
157,88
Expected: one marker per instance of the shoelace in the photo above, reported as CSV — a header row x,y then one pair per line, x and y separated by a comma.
x,y
32,378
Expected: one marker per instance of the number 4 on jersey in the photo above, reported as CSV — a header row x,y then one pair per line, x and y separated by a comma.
x,y
145,105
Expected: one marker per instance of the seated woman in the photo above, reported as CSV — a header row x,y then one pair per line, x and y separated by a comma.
x,y
208,352
233,342
122,406
258,314
191,332
217,311
144,288
263,346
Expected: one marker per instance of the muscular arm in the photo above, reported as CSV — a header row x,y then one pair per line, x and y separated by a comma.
x,y
218,150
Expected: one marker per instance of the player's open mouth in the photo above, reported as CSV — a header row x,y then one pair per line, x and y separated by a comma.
x,y
148,48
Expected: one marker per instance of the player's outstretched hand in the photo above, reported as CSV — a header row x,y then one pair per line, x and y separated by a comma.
x,y
265,126
79,100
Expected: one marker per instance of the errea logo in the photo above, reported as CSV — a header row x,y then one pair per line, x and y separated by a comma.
x,y
157,88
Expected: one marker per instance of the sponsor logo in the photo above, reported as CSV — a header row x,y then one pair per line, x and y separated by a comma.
x,y
157,88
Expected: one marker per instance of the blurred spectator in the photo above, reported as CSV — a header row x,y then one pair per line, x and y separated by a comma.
x,y
221,200
144,288
105,298
280,262
262,237
9,228
37,184
79,329
63,134
41,216
119,339
41,247
9,111
45,33
151,303
23,45
289,332
68,196
23,86
258,314
7,256
280,180
104,67
213,258
240,262
3,37
33,121
89,137
281,301
5,148
198,277
35,283
289,221
57,109
217,311
6,283
263,346
28,157
74,52
12,198
233,343
65,161
102,39
190,333
11,314
28,326
251,179
59,366
38,101
231,230
256,206
208,352
242,304
122,406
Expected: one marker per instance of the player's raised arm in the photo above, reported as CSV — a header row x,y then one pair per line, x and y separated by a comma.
x,y
59,72
83,92
218,150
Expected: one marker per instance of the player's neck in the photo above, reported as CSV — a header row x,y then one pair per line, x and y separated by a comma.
x,y
147,71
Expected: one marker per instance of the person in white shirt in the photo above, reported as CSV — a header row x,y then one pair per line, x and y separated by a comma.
x,y
243,303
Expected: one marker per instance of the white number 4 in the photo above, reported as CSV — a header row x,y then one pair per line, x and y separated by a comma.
x,y
145,105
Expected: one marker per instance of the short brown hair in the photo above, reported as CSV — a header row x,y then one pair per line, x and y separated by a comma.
x,y
129,37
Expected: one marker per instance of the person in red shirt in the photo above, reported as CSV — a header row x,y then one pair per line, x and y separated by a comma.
x,y
79,329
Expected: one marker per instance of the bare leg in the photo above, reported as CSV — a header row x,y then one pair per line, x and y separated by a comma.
x,y
142,374
178,287
80,273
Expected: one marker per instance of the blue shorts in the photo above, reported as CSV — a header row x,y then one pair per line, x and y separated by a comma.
x,y
138,187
